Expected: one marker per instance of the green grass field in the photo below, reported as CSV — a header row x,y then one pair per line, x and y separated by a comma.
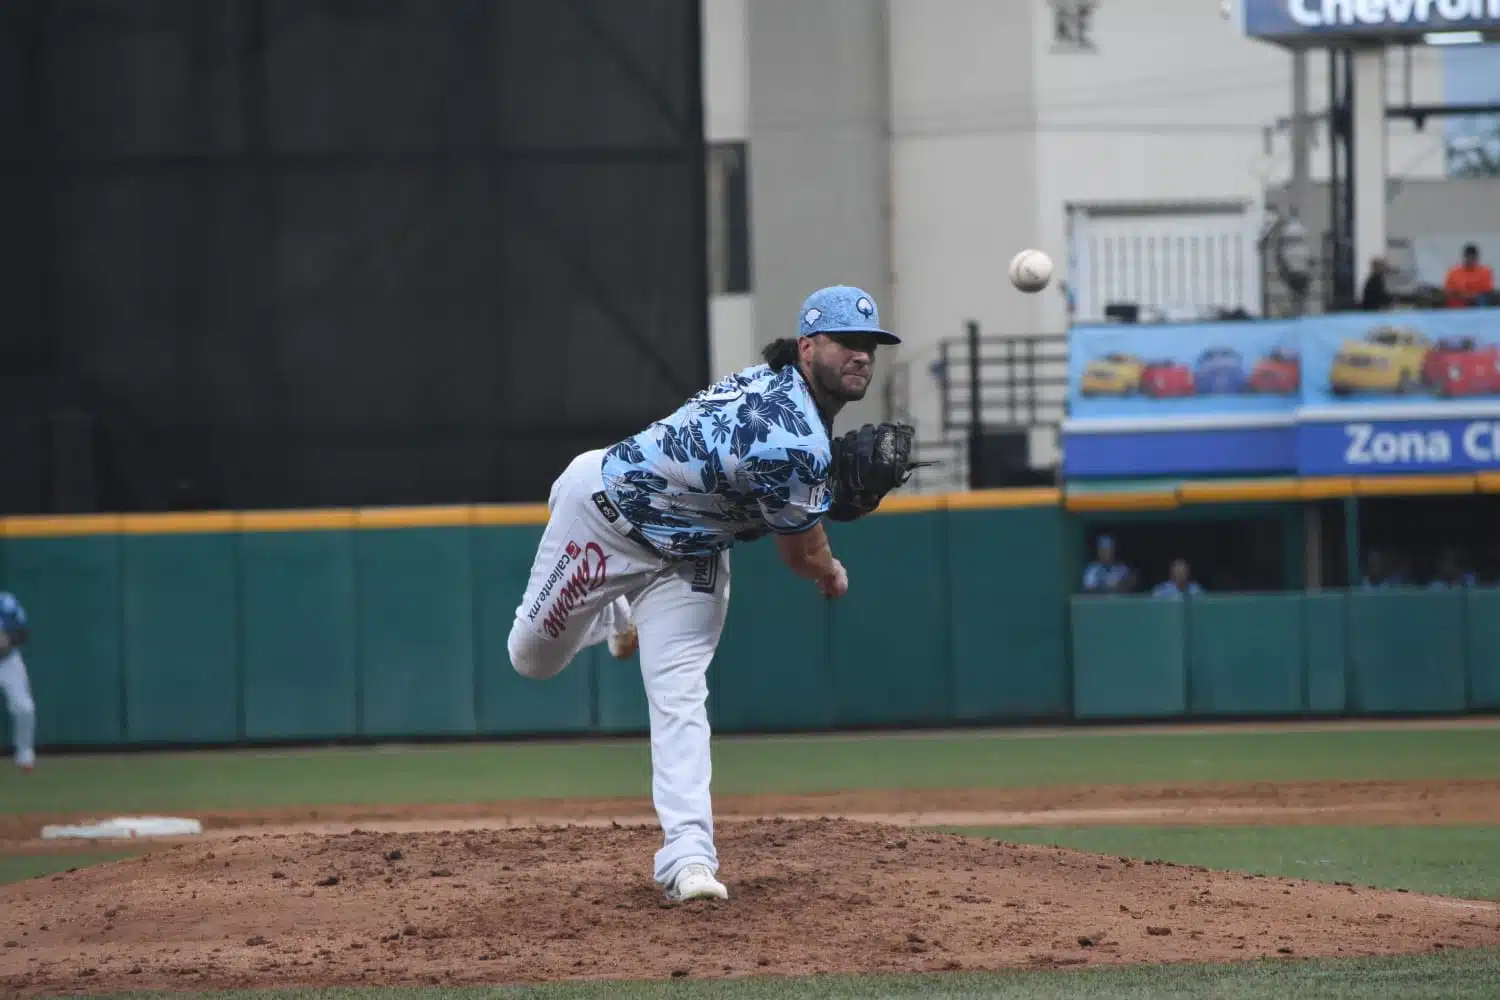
x,y
1455,860
22,866
1471,976
1447,861
495,772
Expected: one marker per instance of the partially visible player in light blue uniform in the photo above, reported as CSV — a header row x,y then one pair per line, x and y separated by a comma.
x,y
14,682
636,548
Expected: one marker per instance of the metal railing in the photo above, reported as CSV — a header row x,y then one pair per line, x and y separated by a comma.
x,y
1018,383
948,468
1015,381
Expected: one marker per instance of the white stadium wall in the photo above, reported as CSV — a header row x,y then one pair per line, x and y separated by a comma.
x,y
726,118
819,158
964,181
913,146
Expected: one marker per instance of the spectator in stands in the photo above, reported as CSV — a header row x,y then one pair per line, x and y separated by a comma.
x,y
1382,571
1451,572
1375,297
1179,582
1106,575
1470,283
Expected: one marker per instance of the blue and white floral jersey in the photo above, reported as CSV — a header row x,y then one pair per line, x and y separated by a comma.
x,y
743,458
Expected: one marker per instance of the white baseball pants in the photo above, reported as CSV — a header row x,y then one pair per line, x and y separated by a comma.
x,y
588,578
17,688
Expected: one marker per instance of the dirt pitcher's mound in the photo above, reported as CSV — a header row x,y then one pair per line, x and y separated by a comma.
x,y
1413,802
806,896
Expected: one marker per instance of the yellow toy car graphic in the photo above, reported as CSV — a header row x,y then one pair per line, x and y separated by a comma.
x,y
1389,359
1112,375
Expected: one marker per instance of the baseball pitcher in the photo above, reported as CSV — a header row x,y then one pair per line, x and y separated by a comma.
x,y
13,680
636,548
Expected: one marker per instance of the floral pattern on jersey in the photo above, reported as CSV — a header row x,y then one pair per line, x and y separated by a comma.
x,y
713,477
635,494
760,414
752,533
627,451
719,427
810,468
771,480
729,383
745,457
692,543
683,444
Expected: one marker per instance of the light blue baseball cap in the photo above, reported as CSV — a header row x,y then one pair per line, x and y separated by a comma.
x,y
842,309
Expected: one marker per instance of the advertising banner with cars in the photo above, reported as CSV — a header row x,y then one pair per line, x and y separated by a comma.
x,y
1344,394
1148,373
1400,392
1401,360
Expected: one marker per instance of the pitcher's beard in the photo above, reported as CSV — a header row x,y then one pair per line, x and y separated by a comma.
x,y
832,383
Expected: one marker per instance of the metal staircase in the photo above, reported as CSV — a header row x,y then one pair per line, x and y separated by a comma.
x,y
1020,386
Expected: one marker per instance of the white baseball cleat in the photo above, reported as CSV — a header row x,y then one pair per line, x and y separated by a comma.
x,y
696,882
624,643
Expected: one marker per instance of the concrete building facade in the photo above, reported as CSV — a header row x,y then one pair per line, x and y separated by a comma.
x,y
913,146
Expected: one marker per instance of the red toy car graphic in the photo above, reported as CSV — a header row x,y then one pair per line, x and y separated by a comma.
x,y
1457,366
1279,372
1165,379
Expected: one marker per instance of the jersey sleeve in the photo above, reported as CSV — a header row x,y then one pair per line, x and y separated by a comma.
x,y
12,615
791,488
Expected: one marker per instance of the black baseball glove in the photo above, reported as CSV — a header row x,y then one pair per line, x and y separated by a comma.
x,y
867,464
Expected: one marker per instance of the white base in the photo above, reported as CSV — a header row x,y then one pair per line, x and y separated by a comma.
x,y
126,828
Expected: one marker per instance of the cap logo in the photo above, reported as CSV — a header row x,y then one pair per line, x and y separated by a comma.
x,y
865,306
812,316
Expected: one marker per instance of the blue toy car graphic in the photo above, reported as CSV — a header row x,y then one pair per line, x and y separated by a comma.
x,y
1220,371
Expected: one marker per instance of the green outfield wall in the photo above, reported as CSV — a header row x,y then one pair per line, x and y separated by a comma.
x,y
223,629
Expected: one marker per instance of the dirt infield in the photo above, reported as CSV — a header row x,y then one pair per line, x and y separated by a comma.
x,y
1377,802
537,891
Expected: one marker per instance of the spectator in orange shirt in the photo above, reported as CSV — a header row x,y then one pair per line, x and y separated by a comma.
x,y
1470,283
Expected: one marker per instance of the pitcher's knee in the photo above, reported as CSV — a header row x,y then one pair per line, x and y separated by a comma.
x,y
675,708
531,655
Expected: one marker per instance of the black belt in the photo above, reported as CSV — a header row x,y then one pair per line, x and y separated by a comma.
x,y
620,524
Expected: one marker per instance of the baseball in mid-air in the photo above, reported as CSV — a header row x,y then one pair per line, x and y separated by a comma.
x,y
1030,270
